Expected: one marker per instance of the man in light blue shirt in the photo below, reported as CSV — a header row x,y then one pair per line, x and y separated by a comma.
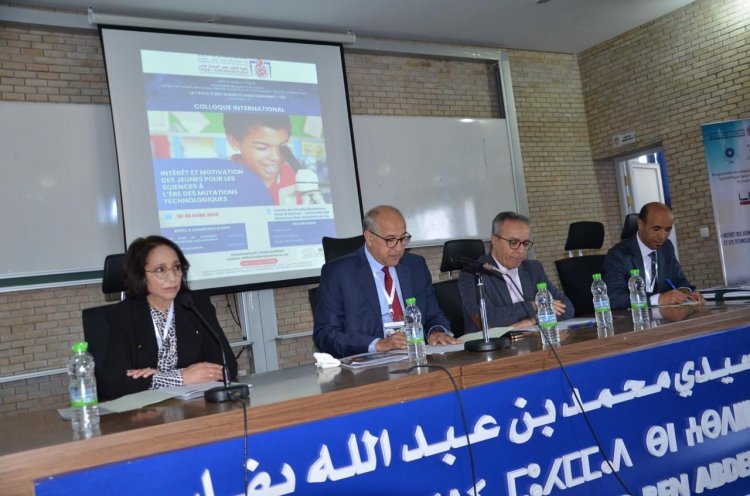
x,y
356,301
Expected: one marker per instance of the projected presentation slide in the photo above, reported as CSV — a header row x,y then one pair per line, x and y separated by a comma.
x,y
231,140
240,172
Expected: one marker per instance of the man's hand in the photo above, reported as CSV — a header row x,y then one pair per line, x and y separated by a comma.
x,y
396,341
439,337
679,296
558,306
524,324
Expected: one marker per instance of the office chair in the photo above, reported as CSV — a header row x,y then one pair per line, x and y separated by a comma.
x,y
334,248
96,334
95,329
113,277
575,271
630,226
312,297
446,292
454,249
449,301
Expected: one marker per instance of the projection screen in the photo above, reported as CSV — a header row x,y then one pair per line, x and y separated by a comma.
x,y
237,149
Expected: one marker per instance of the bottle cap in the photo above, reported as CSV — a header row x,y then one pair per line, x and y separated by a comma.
x,y
541,285
411,301
635,272
80,347
596,277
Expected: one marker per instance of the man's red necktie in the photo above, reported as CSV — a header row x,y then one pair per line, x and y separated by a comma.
x,y
396,310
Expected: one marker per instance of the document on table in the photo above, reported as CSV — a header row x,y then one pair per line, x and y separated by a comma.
x,y
495,332
726,293
148,397
363,360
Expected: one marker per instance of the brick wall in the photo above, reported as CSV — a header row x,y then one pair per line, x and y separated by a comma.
x,y
60,66
664,80
562,183
562,116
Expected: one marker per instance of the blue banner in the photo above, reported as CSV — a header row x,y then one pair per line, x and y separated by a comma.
x,y
727,147
672,420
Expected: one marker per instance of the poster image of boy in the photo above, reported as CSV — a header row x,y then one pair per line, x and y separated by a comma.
x,y
261,142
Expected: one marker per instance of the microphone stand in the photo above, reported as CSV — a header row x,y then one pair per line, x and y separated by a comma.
x,y
486,344
227,392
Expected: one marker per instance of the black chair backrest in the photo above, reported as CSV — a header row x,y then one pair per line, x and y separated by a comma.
x,y
333,248
456,248
449,300
96,334
312,297
575,278
113,278
630,226
585,235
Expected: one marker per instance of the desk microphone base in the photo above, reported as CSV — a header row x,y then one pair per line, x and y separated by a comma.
x,y
491,345
226,393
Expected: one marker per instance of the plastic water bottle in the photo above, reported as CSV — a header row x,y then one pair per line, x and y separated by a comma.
x,y
82,385
638,301
602,310
414,333
546,316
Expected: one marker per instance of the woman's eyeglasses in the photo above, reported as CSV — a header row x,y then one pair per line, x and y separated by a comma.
x,y
162,273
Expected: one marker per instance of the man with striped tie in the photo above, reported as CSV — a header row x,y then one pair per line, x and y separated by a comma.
x,y
650,251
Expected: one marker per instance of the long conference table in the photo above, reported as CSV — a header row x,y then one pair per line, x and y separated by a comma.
x,y
670,406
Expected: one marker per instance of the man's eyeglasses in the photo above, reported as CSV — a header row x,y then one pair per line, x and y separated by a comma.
x,y
391,242
162,273
516,243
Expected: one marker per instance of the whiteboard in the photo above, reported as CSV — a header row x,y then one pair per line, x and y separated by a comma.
x,y
59,189
448,176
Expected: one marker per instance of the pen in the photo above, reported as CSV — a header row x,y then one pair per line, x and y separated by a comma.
x,y
671,284
583,324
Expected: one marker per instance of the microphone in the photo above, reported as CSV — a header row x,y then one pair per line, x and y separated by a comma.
x,y
228,391
492,270
475,266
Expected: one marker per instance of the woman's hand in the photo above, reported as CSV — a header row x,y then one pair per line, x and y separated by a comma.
x,y
140,373
202,372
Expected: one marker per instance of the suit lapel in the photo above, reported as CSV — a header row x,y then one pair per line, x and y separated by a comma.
x,y
526,285
143,327
503,289
368,285
404,282
636,258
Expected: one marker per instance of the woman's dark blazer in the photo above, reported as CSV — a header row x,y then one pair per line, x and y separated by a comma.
x,y
132,343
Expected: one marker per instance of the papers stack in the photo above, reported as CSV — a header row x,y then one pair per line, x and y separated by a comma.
x,y
370,359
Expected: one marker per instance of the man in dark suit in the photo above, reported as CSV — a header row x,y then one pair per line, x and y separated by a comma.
x,y
356,297
651,252
509,297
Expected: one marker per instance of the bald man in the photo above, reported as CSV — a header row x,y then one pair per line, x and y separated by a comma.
x,y
651,252
355,300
